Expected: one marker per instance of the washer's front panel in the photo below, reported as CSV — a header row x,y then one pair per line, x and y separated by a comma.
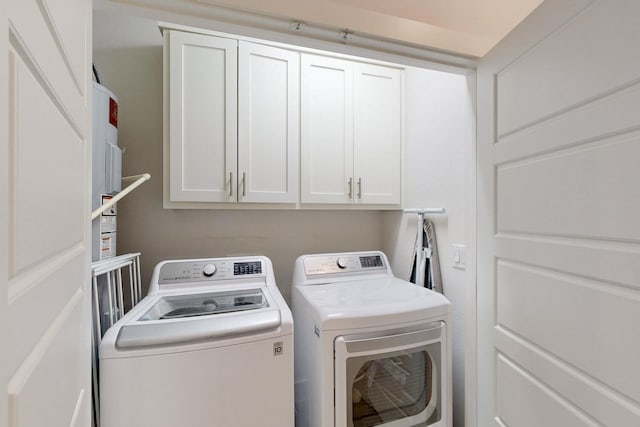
x,y
249,384
178,272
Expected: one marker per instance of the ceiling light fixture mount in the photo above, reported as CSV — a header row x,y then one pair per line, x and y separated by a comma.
x,y
297,26
345,36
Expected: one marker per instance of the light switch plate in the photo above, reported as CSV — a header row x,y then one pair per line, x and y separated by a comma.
x,y
459,256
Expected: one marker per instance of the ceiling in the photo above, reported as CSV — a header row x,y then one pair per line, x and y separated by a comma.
x,y
468,27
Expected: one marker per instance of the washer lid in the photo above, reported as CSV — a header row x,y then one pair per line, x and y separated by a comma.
x,y
372,302
193,305
185,318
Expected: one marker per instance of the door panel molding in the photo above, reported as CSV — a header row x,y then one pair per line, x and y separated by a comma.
x,y
568,326
565,193
565,69
22,374
579,387
589,123
47,300
24,283
29,32
5,234
21,51
64,34
514,411
614,262
37,378
37,150
76,419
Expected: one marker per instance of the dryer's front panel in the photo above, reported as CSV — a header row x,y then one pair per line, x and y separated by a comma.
x,y
391,380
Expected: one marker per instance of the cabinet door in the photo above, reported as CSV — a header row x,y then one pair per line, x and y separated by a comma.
x,y
202,118
377,134
327,130
268,124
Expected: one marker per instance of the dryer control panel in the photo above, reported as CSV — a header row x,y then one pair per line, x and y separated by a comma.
x,y
344,263
215,269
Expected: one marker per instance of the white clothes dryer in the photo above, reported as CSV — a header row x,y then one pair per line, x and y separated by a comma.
x,y
210,345
370,349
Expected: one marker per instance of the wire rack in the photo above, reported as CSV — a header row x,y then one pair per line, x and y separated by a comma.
x,y
107,278
111,279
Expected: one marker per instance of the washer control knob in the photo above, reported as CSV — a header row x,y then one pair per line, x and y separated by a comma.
x,y
209,270
341,263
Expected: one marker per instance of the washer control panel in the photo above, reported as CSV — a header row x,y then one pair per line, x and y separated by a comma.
x,y
209,270
343,263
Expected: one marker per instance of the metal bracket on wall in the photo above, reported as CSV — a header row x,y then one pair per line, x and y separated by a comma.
x,y
137,181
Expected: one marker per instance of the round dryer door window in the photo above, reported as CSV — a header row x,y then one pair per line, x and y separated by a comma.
x,y
385,382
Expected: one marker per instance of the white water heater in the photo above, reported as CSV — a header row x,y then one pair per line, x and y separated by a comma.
x,y
107,170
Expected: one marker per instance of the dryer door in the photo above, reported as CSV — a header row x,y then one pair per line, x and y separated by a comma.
x,y
391,380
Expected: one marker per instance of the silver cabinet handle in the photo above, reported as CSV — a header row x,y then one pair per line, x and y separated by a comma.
x,y
230,184
359,188
244,181
350,184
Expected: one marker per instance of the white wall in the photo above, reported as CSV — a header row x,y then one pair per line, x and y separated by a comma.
x,y
128,54
438,128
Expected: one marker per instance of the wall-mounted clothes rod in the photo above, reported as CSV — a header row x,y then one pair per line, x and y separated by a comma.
x,y
137,181
425,211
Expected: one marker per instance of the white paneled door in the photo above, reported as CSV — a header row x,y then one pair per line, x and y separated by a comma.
x,y
44,212
559,229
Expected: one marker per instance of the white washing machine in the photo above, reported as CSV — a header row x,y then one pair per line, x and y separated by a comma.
x,y
210,345
370,349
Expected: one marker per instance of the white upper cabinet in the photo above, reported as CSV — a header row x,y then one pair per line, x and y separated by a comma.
x,y
268,124
377,118
327,130
202,117
351,132
251,123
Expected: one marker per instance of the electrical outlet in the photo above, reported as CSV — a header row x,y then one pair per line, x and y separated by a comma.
x,y
459,256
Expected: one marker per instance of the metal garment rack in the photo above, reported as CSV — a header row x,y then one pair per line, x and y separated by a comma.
x,y
419,249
